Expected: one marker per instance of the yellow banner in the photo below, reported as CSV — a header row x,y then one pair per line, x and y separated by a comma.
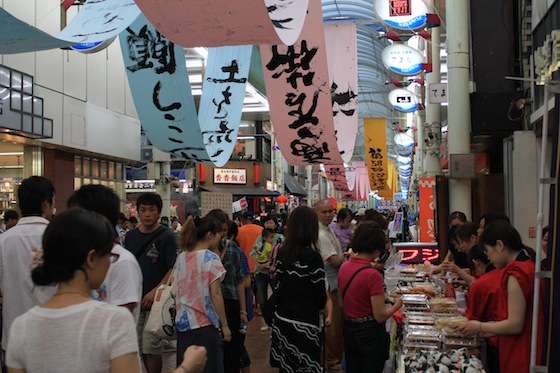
x,y
387,193
376,154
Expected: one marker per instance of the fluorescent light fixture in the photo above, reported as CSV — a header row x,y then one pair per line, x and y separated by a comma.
x,y
245,137
11,166
10,153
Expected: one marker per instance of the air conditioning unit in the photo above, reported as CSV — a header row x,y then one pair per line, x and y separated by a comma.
x,y
462,166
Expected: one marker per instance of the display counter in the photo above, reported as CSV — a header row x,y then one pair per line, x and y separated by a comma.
x,y
426,339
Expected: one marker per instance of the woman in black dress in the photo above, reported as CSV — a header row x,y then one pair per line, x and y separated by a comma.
x,y
301,296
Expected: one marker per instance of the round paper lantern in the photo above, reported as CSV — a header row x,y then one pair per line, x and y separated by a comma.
x,y
281,199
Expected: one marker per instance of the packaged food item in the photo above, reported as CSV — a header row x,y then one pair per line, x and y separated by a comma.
x,y
432,360
421,320
444,305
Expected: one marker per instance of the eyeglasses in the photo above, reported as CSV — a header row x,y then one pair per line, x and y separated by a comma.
x,y
113,257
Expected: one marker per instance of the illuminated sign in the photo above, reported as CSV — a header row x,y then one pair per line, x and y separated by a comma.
x,y
419,255
402,59
403,100
230,176
402,14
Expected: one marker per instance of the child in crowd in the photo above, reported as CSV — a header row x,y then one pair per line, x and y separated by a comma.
x,y
261,254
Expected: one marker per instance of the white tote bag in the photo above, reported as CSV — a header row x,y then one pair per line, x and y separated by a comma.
x,y
161,321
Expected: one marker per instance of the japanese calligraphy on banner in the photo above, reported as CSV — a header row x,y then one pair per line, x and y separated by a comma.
x,y
342,57
211,23
99,20
426,209
376,152
387,192
160,87
230,176
299,95
19,37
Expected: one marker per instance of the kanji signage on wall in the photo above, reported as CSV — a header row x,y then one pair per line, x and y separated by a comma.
x,y
230,176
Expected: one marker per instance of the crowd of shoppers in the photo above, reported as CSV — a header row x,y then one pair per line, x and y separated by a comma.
x,y
87,279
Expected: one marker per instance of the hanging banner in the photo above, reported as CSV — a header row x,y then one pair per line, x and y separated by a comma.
x,y
160,87
426,217
376,152
342,57
100,20
211,23
299,95
19,37
388,192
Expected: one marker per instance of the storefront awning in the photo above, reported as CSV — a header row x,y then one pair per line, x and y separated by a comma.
x,y
293,186
241,191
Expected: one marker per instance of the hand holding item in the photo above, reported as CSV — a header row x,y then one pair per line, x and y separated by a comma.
x,y
470,328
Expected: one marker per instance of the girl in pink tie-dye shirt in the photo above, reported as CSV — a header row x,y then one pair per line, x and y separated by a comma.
x,y
201,318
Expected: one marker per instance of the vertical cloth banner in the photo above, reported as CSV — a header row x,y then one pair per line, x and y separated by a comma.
x,y
376,152
299,96
341,43
160,87
211,23
19,37
100,20
387,192
426,214
342,57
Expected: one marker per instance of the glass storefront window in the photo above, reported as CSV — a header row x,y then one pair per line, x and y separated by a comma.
x,y
111,174
77,165
86,167
95,168
103,169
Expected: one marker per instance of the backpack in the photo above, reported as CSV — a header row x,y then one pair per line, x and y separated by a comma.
x,y
272,260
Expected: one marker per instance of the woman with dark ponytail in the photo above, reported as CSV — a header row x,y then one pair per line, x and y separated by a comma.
x,y
201,317
71,332
504,248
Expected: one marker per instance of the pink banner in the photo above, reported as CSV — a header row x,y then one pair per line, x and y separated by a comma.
x,y
342,57
211,23
298,90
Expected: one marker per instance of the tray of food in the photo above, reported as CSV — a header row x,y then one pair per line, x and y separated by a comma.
x,y
431,360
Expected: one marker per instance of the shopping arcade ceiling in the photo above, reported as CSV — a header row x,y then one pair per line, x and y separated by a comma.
x,y
372,74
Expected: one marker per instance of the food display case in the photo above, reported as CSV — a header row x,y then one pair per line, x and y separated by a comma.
x,y
427,340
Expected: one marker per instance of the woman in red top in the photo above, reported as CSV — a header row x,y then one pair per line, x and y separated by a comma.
x,y
366,343
504,247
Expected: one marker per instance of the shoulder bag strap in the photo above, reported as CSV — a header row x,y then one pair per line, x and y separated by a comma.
x,y
144,247
351,278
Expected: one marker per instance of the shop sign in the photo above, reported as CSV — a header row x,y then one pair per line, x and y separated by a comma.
x,y
402,14
403,100
140,186
437,93
93,47
230,176
402,59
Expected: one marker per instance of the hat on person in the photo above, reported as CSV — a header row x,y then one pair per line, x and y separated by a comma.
x,y
248,215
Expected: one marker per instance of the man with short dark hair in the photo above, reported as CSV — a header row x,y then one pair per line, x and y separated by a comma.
x,y
19,246
11,218
123,282
155,247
